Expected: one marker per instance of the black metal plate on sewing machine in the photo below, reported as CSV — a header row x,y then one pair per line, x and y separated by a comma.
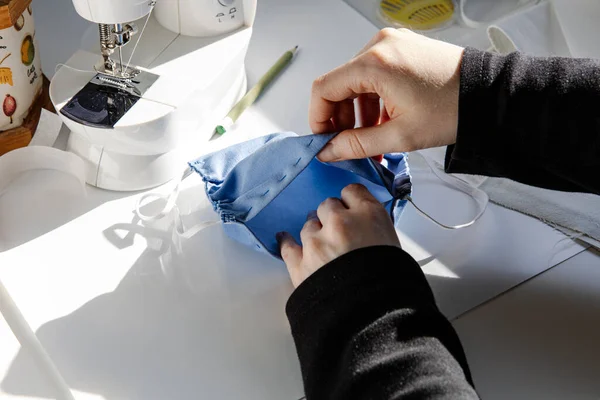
x,y
99,106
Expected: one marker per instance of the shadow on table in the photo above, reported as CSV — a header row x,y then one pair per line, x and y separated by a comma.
x,y
40,202
208,325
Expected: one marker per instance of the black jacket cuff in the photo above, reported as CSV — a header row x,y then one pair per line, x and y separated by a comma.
x,y
383,277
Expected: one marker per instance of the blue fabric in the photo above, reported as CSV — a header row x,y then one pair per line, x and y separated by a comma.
x,y
270,184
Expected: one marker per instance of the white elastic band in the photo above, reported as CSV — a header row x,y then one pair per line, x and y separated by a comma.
x,y
170,199
170,205
48,129
477,194
189,233
16,162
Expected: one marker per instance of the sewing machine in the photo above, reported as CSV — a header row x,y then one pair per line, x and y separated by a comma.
x,y
161,76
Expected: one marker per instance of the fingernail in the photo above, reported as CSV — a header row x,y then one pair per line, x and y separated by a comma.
x,y
327,154
312,215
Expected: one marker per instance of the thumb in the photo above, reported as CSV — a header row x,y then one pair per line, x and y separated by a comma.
x,y
291,252
360,143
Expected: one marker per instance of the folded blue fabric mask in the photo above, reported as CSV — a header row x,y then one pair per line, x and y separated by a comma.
x,y
270,184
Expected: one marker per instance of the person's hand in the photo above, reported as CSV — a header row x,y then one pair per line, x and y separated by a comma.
x,y
418,80
355,221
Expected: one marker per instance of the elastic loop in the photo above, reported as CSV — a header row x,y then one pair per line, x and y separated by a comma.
x,y
197,228
477,194
171,200
171,204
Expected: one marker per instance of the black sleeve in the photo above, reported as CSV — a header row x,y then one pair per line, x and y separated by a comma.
x,y
533,120
366,327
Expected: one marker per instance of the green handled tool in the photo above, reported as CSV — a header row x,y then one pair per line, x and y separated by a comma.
x,y
256,91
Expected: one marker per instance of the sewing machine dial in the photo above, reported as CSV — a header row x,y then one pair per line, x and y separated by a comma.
x,y
205,18
229,15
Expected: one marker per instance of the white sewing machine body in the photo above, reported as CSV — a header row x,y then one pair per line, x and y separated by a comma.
x,y
190,61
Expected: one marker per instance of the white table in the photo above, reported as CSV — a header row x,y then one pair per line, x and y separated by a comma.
x,y
120,327
540,340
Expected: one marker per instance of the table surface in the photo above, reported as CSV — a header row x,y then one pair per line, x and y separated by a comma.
x,y
539,340
122,319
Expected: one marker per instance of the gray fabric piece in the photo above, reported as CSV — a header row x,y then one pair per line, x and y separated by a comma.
x,y
579,212
576,213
